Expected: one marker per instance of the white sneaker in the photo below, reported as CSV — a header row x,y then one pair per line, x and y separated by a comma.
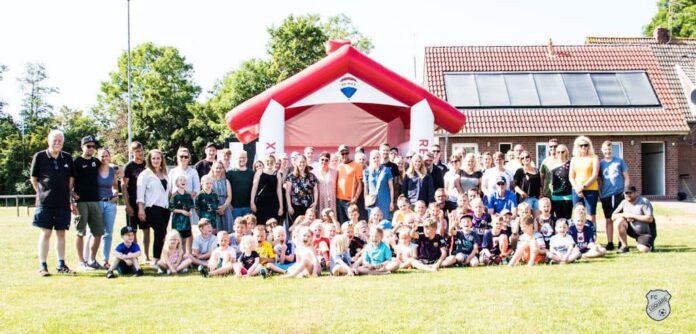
x,y
160,271
84,267
169,272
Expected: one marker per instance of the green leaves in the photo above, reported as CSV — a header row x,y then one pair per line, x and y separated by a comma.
x,y
683,18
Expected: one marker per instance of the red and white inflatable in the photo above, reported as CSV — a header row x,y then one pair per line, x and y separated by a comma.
x,y
345,98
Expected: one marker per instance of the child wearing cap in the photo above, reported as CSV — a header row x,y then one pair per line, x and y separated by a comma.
x,y
126,255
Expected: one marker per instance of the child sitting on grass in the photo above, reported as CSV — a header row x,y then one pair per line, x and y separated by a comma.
x,y
307,263
180,204
321,244
562,248
203,244
432,248
284,250
584,234
126,255
545,223
173,260
248,260
377,257
267,255
222,259
340,257
531,248
328,217
495,248
463,245
399,216
405,250
356,244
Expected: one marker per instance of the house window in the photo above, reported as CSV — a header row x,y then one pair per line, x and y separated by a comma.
x,y
617,149
504,147
465,148
542,150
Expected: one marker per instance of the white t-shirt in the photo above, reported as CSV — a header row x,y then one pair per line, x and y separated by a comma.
x,y
560,245
204,245
539,239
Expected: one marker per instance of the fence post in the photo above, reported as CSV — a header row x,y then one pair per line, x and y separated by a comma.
x,y
17,205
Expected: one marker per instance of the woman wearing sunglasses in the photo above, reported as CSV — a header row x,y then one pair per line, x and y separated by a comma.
x,y
193,181
584,169
561,189
528,183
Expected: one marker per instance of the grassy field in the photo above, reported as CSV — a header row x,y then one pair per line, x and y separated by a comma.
x,y
605,295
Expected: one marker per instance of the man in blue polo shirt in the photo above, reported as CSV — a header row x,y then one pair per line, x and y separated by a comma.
x,y
502,199
52,173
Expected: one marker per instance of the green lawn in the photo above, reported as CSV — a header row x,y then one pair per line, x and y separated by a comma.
x,y
605,295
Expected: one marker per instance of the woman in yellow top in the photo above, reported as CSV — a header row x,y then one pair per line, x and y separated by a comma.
x,y
584,169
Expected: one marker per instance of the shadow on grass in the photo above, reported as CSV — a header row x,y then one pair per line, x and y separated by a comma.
x,y
674,249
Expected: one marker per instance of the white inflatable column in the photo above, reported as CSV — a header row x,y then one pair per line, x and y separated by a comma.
x,y
271,130
422,127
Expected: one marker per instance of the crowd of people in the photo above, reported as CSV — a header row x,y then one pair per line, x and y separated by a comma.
x,y
366,214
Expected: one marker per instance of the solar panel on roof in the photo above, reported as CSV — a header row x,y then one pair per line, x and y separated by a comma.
x,y
551,89
461,90
609,89
491,90
521,90
580,89
638,88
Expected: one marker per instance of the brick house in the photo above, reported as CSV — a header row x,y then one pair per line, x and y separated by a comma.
x,y
529,94
677,60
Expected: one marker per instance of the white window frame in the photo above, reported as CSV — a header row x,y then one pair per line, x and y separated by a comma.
x,y
620,144
500,150
546,146
458,146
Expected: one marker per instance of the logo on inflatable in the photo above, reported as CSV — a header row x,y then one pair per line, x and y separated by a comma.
x,y
348,86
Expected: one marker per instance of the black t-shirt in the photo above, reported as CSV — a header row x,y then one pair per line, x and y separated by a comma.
x,y
529,183
393,167
131,171
438,178
429,249
53,178
356,245
547,228
86,172
248,260
203,167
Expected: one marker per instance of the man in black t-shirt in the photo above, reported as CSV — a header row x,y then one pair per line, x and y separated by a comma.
x,y
394,168
52,173
203,166
86,194
129,188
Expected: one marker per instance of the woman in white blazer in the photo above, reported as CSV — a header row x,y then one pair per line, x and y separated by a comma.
x,y
153,199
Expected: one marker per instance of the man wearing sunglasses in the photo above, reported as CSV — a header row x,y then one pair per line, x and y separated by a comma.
x,y
636,220
203,166
348,183
86,194
52,173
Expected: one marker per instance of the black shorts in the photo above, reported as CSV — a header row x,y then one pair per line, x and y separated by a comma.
x,y
185,234
124,269
645,239
134,221
52,218
610,203
428,262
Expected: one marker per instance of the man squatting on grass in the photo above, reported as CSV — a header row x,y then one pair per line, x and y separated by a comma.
x,y
433,235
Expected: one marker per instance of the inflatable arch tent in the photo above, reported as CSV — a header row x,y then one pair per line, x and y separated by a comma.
x,y
344,98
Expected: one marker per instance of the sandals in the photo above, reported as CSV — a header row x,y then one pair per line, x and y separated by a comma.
x,y
64,270
44,273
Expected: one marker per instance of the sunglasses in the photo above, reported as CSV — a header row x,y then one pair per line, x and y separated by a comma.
x,y
524,158
584,145
436,151
628,193
324,160
553,146
561,152
89,146
55,165
184,156
344,153
501,183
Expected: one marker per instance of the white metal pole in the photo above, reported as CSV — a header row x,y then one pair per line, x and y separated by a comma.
x,y
130,111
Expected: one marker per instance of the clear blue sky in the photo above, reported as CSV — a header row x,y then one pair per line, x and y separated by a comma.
x,y
80,40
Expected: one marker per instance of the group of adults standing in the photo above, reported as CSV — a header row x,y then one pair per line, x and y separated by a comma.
x,y
285,188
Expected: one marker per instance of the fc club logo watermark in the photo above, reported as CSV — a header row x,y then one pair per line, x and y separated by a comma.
x,y
348,86
658,308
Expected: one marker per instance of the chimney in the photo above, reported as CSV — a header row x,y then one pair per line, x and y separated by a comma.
x,y
551,52
661,35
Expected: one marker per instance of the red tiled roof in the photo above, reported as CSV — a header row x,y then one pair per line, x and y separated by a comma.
x,y
680,51
509,121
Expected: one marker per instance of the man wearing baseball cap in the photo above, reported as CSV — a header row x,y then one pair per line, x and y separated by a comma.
x,y
85,193
502,199
348,183
203,166
636,220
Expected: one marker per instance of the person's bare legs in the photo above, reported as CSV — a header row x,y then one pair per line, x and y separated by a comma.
x,y
623,232
94,247
43,245
422,266
79,245
60,244
146,243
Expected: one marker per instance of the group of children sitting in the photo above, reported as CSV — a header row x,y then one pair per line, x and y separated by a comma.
x,y
425,238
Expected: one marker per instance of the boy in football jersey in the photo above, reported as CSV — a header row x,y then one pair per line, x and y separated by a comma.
x,y
495,243
545,223
562,248
584,234
432,248
463,246
530,246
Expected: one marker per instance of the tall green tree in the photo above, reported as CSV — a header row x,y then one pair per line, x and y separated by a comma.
x,y
75,124
163,92
35,112
683,13
3,68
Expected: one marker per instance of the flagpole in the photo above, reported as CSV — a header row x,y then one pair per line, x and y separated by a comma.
x,y
130,110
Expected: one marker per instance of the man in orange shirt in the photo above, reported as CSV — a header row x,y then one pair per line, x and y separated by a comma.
x,y
349,183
